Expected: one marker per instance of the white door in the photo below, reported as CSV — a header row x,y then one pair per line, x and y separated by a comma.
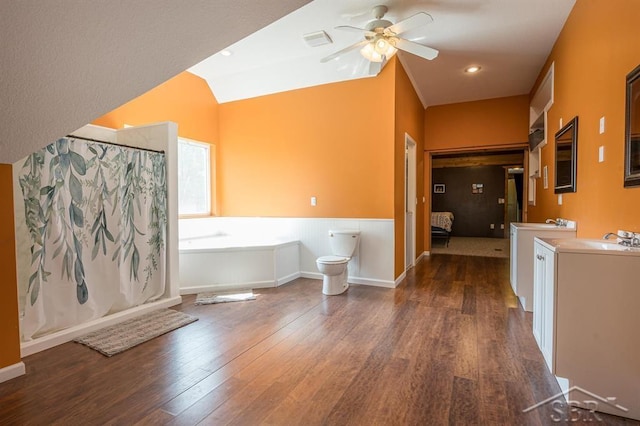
x,y
410,201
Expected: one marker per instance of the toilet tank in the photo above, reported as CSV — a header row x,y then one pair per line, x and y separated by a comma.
x,y
343,242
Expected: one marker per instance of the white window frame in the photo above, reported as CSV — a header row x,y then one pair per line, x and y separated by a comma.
x,y
210,183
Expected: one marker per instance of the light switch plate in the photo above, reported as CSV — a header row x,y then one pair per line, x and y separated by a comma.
x,y
559,199
600,153
314,201
601,125
560,126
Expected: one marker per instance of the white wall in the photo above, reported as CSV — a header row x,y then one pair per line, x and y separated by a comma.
x,y
373,264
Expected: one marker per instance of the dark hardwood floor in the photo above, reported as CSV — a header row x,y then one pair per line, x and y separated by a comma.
x,y
450,345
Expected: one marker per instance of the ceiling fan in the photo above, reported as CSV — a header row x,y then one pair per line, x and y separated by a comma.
x,y
382,38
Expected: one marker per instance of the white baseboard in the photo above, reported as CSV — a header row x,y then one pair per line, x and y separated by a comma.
x,y
353,280
288,278
12,371
228,287
400,278
63,336
426,253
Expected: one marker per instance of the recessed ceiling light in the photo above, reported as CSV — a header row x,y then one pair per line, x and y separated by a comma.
x,y
225,52
472,69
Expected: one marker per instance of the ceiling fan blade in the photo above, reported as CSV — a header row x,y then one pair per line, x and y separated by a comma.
x,y
343,51
414,21
415,48
355,30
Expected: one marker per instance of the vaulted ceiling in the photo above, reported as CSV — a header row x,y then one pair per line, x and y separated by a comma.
x,y
509,39
63,64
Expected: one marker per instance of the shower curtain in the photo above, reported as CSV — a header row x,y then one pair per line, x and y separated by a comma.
x,y
96,220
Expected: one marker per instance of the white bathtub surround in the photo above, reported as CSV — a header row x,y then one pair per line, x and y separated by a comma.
x,y
372,266
220,263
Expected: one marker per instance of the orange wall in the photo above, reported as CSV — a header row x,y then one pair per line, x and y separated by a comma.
x,y
409,117
597,47
9,332
490,123
486,123
185,99
334,142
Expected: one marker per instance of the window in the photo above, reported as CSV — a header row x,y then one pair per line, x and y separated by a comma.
x,y
194,177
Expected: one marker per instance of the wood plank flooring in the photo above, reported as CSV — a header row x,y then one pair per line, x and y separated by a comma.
x,y
450,345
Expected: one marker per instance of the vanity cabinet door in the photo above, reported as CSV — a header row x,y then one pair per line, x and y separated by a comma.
x,y
513,263
544,302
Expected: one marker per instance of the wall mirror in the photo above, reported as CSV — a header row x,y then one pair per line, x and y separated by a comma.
x,y
632,130
566,157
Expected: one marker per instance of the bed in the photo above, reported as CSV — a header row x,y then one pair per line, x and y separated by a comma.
x,y
441,223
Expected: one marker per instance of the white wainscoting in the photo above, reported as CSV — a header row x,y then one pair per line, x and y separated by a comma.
x,y
372,264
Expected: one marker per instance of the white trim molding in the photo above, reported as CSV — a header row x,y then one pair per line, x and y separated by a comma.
x,y
12,371
400,278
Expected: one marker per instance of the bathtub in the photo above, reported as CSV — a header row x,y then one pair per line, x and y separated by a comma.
x,y
224,262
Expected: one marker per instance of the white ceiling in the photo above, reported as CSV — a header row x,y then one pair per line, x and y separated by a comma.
x,y
509,39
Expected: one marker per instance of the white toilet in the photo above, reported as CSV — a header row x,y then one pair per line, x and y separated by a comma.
x,y
334,267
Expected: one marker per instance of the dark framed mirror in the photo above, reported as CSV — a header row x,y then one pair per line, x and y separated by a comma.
x,y
566,157
632,130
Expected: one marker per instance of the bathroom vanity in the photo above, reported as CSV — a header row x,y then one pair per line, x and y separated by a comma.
x,y
521,263
586,319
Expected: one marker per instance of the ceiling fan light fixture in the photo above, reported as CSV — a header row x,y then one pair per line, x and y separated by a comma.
x,y
378,49
369,52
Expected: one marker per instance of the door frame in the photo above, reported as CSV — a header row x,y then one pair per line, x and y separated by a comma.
x,y
410,201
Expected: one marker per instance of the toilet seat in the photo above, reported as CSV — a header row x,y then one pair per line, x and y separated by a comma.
x,y
332,260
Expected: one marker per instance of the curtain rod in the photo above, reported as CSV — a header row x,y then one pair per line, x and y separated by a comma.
x,y
116,144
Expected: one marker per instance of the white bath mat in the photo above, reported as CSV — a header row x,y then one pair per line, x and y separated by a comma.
x,y
224,297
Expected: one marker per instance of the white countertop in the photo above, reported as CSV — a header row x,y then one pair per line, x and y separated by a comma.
x,y
542,226
585,245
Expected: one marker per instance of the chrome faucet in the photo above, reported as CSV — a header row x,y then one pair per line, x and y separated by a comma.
x,y
629,239
551,221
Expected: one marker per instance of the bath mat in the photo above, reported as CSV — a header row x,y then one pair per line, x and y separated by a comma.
x,y
125,335
235,296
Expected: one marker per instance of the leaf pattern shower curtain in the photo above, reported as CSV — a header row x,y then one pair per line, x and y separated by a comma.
x,y
96,217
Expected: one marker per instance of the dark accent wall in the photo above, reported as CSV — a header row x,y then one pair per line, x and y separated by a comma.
x,y
473,213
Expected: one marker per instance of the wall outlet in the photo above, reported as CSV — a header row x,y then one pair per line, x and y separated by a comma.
x,y
492,226
314,201
500,200
559,199
502,226
600,154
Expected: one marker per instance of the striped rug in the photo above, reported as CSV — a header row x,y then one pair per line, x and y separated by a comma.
x,y
125,335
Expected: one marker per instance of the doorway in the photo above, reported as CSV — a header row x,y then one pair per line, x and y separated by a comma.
x,y
514,181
